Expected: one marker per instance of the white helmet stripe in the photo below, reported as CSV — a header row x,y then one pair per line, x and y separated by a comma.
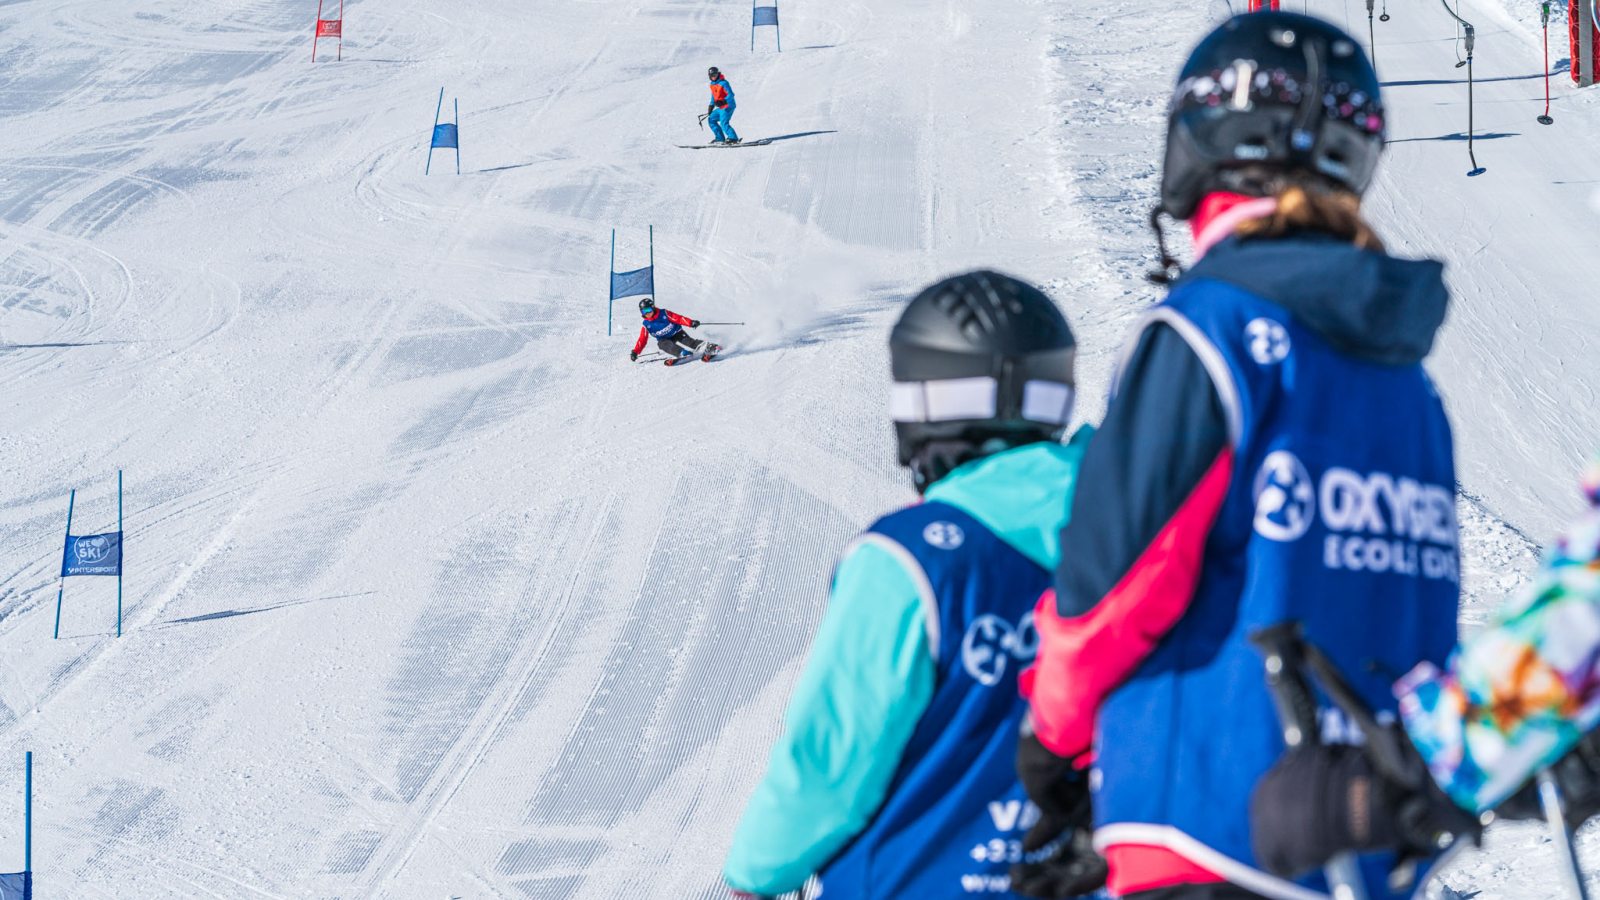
x,y
947,400
1047,401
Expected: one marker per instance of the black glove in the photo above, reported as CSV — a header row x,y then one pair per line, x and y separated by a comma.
x,y
1323,800
633,355
1058,857
710,107
694,323
1577,775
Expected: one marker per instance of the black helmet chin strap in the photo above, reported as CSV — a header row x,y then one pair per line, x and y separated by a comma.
x,y
1171,270
934,459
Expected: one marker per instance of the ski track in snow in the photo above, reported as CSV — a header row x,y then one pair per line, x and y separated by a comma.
x,y
429,592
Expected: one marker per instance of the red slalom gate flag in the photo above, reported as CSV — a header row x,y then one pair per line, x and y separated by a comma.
x,y
328,28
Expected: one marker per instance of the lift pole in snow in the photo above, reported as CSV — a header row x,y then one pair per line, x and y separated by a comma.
x,y
1471,34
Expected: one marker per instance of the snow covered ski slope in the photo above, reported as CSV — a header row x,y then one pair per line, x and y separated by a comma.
x,y
430,593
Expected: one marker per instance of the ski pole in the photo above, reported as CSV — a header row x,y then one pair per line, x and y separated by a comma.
x,y
1544,20
1385,748
1560,834
1385,16
1282,649
721,323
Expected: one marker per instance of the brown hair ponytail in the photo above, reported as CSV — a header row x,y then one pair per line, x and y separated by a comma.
x,y
1305,205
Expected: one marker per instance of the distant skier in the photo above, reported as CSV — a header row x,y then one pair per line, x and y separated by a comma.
x,y
894,777
667,327
721,109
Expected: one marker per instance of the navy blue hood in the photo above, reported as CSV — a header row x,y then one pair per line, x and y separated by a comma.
x,y
1369,305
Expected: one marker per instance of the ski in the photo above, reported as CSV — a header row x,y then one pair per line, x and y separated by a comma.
x,y
705,356
760,143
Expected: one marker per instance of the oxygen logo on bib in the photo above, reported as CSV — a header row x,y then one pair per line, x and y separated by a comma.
x,y
1286,497
990,640
944,535
1375,521
1388,524
1268,341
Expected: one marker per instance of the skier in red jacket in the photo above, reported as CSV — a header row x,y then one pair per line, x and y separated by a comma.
x,y
668,329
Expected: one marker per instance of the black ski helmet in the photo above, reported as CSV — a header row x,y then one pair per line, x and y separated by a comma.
x,y
982,362
713,73
1271,92
647,307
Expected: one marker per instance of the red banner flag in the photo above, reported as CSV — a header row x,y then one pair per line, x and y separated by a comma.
x,y
328,28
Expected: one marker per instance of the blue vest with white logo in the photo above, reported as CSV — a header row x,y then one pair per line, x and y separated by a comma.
x,y
662,327
1341,515
953,821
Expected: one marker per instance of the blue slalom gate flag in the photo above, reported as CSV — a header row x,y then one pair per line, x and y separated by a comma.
x,y
765,15
632,284
16,886
446,135
93,554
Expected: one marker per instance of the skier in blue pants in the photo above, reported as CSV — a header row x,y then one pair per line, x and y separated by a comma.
x,y
721,109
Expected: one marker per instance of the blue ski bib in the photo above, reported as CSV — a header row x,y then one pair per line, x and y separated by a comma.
x,y
1340,514
953,821
662,327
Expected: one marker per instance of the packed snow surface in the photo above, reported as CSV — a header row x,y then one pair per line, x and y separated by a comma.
x,y
430,593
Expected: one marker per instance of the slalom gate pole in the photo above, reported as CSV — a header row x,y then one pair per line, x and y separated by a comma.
x,y
1281,648
122,551
1544,20
1372,36
62,584
436,112
340,57
316,31
457,103
1560,835
1587,61
610,293
27,813
653,293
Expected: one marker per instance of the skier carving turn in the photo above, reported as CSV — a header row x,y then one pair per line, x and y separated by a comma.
x,y
667,327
